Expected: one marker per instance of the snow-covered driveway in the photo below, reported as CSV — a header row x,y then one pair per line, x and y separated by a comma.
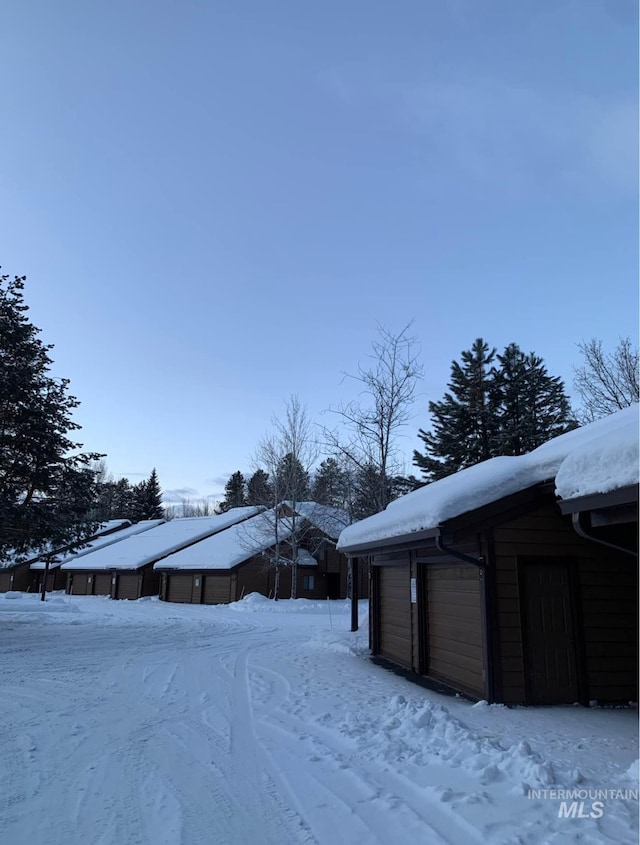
x,y
142,723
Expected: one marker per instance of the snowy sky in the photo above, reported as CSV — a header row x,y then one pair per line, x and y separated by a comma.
x,y
214,203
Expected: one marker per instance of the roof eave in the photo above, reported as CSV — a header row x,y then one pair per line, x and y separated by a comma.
x,y
597,501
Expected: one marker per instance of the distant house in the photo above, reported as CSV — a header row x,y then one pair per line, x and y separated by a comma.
x,y
237,561
28,574
487,584
125,570
114,531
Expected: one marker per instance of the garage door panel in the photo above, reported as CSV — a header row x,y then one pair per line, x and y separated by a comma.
x,y
395,614
179,589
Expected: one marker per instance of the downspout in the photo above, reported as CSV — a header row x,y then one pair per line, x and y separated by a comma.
x,y
580,529
484,571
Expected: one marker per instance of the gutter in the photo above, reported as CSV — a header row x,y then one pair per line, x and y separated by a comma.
x,y
581,530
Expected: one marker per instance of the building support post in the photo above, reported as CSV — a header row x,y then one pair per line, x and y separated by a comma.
x,y
353,563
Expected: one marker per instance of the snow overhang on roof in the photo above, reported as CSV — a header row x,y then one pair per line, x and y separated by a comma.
x,y
427,509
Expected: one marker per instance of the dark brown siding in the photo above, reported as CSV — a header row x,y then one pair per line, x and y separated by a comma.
x,y
180,587
128,585
455,626
394,611
253,577
102,584
217,589
17,578
604,604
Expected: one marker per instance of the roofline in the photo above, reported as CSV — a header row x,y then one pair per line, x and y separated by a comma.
x,y
597,501
400,540
463,520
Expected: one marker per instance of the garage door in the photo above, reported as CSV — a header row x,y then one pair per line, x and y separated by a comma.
x,y
395,613
455,626
80,584
128,587
180,588
5,582
217,589
102,584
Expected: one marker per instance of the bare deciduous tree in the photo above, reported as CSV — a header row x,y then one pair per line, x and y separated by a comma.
x,y
366,440
287,455
606,382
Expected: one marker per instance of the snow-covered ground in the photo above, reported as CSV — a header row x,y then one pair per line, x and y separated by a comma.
x,y
143,723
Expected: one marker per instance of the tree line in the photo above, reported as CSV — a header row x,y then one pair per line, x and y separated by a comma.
x,y
497,403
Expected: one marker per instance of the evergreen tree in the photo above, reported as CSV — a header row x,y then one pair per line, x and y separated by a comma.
x,y
330,484
259,490
508,409
147,499
292,480
234,493
533,406
464,421
47,489
123,500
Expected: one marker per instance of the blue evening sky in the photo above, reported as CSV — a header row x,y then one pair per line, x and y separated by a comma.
x,y
215,202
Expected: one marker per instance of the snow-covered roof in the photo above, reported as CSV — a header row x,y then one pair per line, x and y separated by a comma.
x,y
35,560
305,558
606,463
127,530
331,521
230,547
140,549
489,481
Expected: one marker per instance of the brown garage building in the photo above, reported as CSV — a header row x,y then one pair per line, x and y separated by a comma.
x,y
515,600
238,561
125,570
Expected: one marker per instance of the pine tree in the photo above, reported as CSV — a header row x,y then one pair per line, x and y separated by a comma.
x,y
330,484
123,500
464,421
234,493
147,499
292,480
508,409
47,489
259,490
533,406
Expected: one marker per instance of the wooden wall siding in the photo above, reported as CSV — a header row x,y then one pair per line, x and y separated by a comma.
x,y
17,578
197,587
253,577
179,588
150,581
541,533
609,593
394,614
455,634
217,589
128,585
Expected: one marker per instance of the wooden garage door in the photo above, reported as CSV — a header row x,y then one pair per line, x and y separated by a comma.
x,y
180,587
217,589
128,586
395,614
80,583
5,582
102,584
455,626
549,636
